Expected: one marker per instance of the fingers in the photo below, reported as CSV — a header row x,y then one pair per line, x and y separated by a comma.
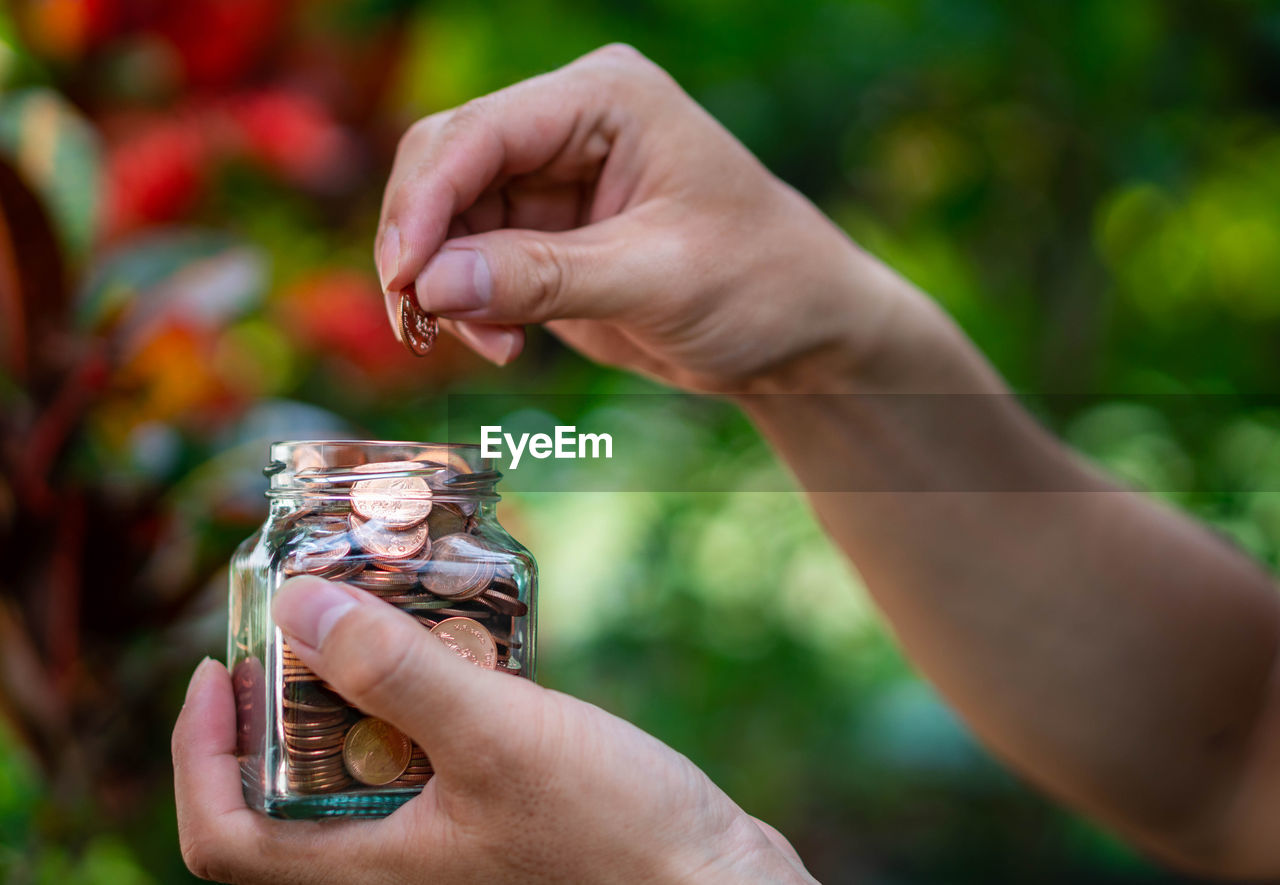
x,y
383,662
206,774
221,837
498,344
615,269
779,841
563,124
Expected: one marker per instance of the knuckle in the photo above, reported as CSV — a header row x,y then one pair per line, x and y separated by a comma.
x,y
468,115
626,71
417,135
621,53
203,857
548,276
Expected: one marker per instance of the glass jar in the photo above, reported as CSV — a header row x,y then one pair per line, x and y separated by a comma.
x,y
413,523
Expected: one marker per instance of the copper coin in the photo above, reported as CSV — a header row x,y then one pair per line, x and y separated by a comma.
x,y
328,771
380,581
315,755
418,329
504,640
461,566
327,729
446,519
325,714
333,732
483,614
503,603
317,759
421,603
398,502
406,566
341,571
298,719
316,554
319,739
304,707
469,640
385,542
376,752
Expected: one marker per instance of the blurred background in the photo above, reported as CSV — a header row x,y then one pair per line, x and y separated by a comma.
x,y
189,194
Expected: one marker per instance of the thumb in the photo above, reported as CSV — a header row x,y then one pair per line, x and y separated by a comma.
x,y
382,661
608,270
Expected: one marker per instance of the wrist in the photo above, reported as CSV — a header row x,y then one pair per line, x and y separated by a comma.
x,y
875,333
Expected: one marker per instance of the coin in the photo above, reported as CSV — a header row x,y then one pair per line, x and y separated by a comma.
x,y
332,732
446,519
503,603
420,603
399,502
482,614
411,566
376,752
384,542
469,640
419,771
342,570
461,566
317,554
382,582
418,329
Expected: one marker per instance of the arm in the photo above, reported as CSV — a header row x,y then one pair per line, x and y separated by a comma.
x,y
1110,649
1115,652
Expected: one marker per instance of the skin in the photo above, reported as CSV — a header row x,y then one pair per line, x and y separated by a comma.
x,y
531,785
1112,651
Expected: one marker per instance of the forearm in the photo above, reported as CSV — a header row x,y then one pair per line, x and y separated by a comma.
x,y
1111,649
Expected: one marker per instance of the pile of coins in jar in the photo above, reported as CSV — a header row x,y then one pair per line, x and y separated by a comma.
x,y
402,536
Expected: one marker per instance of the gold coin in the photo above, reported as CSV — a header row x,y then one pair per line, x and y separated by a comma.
x,y
398,502
469,640
418,329
376,752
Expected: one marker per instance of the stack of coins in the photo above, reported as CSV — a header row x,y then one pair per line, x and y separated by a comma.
x,y
384,528
419,770
315,724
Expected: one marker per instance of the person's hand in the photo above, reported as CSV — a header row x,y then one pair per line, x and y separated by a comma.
x,y
530,785
601,200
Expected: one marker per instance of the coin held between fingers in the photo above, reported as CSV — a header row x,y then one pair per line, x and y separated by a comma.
x,y
418,329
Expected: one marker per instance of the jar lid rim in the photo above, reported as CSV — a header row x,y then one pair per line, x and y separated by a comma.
x,y
341,441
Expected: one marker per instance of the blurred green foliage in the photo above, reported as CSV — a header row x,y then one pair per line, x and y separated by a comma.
x,y
1092,189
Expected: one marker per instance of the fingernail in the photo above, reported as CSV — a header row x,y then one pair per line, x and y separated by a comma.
x,y
455,280
308,608
497,344
392,301
388,255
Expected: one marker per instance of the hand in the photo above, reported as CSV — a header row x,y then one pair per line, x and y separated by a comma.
x,y
601,200
530,785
